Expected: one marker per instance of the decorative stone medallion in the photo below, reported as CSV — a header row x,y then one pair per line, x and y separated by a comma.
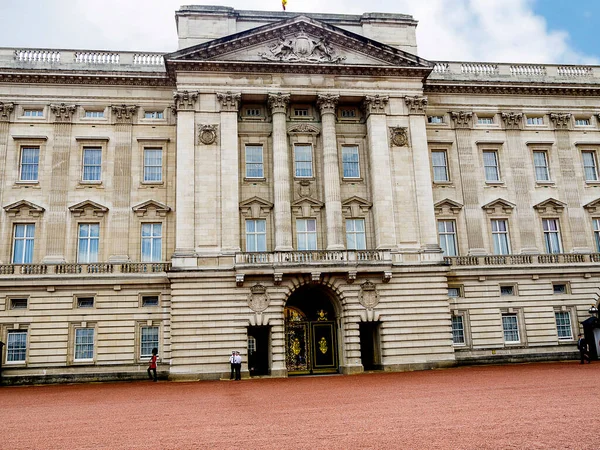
x,y
368,295
399,136
207,134
258,299
302,48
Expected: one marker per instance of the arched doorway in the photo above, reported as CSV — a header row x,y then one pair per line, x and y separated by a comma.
x,y
311,331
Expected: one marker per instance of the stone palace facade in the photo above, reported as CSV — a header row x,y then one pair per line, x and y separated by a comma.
x,y
302,188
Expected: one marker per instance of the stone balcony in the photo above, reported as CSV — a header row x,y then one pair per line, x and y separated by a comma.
x,y
84,269
341,258
522,260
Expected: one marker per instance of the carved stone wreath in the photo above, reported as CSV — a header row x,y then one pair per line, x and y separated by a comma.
x,y
207,134
258,299
368,295
399,136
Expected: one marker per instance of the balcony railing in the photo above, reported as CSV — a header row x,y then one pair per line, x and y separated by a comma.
x,y
76,269
341,257
515,260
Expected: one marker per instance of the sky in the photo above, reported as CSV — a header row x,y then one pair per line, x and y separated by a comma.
x,y
527,31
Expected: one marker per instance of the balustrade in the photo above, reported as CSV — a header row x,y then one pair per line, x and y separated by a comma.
x,y
511,260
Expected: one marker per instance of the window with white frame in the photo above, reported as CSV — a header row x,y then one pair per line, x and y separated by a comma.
x,y
84,344
33,113
92,164
500,237
439,162
151,242
552,241
539,120
23,241
254,161
16,346
256,235
154,115
540,163
590,165
306,233
435,119
251,345
563,325
29,166
153,160
350,161
596,224
454,292
447,236
458,330
582,122
510,326
148,340
88,244
303,160
485,120
94,114
355,234
490,164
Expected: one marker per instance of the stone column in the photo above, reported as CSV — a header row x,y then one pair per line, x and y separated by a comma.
x,y
418,141
566,156
380,172
5,112
333,201
120,213
469,176
57,197
230,208
513,123
185,103
281,173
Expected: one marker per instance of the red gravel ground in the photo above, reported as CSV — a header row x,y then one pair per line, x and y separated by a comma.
x,y
552,405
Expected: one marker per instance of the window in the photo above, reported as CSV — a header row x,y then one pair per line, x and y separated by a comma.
x,y
16,346
18,303
590,166
355,234
23,243
582,122
253,112
300,112
30,160
551,236
306,230
153,165
540,162
490,164
89,240
254,161
350,161
151,242
559,288
485,120
153,115
92,164
447,235
500,237
535,120
458,330
84,344
440,165
348,113
454,292
507,290
596,223
33,113
251,345
563,325
256,235
150,300
85,302
303,160
510,325
148,340
435,119
94,114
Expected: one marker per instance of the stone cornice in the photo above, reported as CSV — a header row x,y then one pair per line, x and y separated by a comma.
x,y
278,102
512,120
5,110
375,104
561,121
327,103
63,112
86,78
229,102
416,105
499,88
462,119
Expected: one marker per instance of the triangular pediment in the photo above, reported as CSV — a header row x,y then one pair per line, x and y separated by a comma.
x,y
307,207
23,208
88,207
499,206
593,206
299,40
255,207
447,206
356,206
550,205
143,209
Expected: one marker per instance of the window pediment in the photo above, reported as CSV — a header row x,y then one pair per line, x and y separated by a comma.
x,y
551,206
499,206
255,207
306,207
356,207
88,208
146,208
593,206
23,208
447,207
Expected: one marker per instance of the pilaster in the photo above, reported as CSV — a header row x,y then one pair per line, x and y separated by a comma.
x,y
5,113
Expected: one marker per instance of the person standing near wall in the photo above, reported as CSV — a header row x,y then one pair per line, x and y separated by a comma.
x,y
152,365
238,366
232,364
583,349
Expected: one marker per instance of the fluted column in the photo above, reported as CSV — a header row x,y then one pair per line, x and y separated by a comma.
x,y
469,167
230,209
281,173
186,177
380,172
333,201
5,112
566,156
418,140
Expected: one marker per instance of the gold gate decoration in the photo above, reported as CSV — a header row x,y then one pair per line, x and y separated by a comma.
x,y
323,345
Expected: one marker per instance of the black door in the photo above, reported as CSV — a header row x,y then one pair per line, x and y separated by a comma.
x,y
258,350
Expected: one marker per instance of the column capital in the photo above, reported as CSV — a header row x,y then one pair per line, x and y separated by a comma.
x,y
229,102
416,105
63,112
124,113
462,119
561,121
185,100
278,102
5,110
327,103
512,120
375,104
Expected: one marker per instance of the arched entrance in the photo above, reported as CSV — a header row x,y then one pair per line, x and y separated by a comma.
x,y
311,331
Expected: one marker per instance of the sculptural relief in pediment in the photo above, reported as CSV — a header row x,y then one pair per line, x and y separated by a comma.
x,y
302,48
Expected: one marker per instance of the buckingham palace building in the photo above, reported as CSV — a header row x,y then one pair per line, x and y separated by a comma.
x,y
302,188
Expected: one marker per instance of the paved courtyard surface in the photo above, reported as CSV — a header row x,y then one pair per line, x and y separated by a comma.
x,y
526,406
